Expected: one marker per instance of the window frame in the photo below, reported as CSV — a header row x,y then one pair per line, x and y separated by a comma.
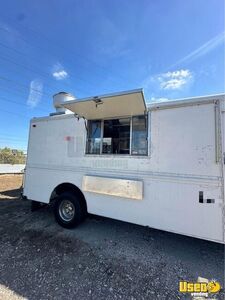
x,y
86,137
147,136
131,134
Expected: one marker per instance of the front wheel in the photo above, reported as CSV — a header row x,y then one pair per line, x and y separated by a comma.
x,y
68,210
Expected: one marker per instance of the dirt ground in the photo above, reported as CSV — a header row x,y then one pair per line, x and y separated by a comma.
x,y
10,186
101,259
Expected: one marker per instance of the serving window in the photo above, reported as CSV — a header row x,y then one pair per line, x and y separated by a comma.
x,y
123,136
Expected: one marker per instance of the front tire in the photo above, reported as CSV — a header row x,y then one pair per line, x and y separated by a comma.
x,y
68,210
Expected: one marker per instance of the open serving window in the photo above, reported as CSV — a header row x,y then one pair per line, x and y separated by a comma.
x,y
117,123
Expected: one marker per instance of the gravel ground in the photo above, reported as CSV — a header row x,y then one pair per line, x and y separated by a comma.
x,y
101,259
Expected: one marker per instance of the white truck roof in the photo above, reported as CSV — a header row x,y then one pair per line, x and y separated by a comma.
x,y
185,101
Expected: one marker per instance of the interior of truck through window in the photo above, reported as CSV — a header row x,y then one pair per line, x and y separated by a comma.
x,y
124,136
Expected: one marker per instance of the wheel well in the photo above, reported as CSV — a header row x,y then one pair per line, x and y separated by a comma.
x,y
69,187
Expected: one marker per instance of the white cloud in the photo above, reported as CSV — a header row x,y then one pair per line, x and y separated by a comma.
x,y
174,80
59,73
35,93
202,50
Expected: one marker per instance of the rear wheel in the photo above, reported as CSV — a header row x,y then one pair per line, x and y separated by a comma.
x,y
68,210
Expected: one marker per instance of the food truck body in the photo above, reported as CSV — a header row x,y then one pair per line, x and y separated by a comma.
x,y
160,165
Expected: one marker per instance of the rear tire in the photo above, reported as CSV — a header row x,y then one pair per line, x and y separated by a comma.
x,y
68,210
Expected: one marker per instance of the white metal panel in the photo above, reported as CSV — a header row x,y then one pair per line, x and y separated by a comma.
x,y
183,140
223,161
168,205
37,146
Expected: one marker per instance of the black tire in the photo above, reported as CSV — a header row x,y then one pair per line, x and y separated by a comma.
x,y
68,210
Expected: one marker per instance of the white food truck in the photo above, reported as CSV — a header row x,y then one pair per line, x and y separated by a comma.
x,y
159,165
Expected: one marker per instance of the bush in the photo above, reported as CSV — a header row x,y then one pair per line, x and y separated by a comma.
x,y
12,156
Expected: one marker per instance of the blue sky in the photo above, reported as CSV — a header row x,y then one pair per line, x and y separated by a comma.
x,y
173,49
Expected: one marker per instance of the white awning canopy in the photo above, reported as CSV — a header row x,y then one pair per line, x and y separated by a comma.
x,y
128,103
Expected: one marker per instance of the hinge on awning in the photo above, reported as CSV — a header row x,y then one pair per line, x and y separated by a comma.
x,y
97,101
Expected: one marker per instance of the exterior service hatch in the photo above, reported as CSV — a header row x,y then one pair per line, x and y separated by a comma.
x,y
129,103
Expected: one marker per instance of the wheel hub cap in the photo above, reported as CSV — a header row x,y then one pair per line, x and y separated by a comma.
x,y
66,210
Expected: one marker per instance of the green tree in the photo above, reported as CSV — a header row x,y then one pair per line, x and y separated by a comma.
x,y
12,156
